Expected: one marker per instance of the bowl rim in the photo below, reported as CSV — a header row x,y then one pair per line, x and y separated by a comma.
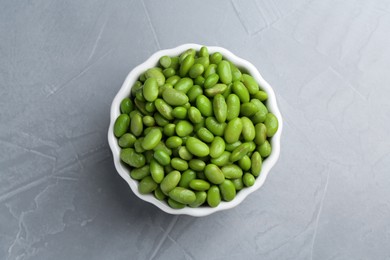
x,y
124,91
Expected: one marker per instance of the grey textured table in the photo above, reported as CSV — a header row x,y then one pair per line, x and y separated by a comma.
x,y
62,62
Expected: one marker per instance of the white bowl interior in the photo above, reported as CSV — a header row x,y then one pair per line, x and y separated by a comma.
x,y
124,91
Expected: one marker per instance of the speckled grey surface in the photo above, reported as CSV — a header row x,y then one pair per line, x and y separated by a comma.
x,y
62,62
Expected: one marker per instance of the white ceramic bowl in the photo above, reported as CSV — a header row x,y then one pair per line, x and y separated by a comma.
x,y
124,91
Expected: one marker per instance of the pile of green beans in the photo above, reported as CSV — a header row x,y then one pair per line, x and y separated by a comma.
x,y
195,130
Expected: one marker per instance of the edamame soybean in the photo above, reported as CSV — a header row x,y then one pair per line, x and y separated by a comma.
x,y
170,181
191,52
236,73
186,177
221,160
174,63
141,106
256,163
261,95
155,73
132,158
183,85
196,70
194,115
233,130
231,171
156,170
228,91
248,109
163,88
165,61
204,61
164,109
197,147
179,113
211,69
142,77
224,72
204,105
169,130
261,113
148,121
126,106
250,83
161,146
233,106
179,164
148,156
169,72
264,149
159,194
194,92
174,97
199,200
147,185
230,147
216,58
214,174
184,128
182,195
248,129
220,108
199,185
127,140
204,52
173,142
205,135
121,125
140,173
172,80
213,196
138,145
150,90
245,163
160,120
162,157
136,86
228,190
152,139
241,91
240,152
260,133
238,184
185,154
174,204
252,146
214,126
197,165
217,147
199,81
271,123
215,90
248,179
186,65
211,80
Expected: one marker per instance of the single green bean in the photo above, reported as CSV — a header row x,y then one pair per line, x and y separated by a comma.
x,y
126,106
121,125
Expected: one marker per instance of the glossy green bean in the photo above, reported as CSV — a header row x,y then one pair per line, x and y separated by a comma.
x,y
121,125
